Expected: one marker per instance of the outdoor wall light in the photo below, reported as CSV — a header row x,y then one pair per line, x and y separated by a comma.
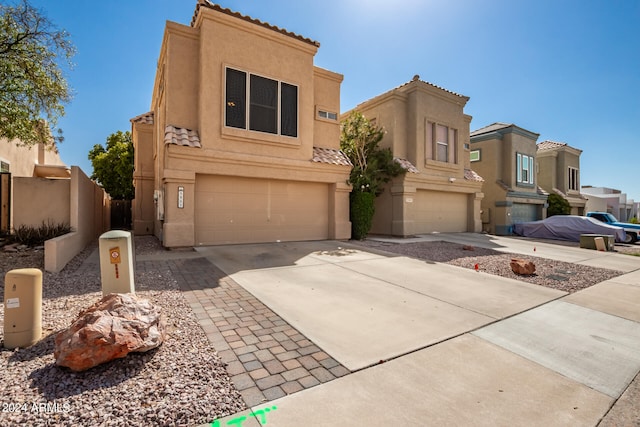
x,y
452,179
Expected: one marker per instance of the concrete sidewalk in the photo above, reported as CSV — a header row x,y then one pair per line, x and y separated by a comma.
x,y
460,347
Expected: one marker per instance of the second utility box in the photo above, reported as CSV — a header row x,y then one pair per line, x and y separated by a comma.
x,y
116,262
22,307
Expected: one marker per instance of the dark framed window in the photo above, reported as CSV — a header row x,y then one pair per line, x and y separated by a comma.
x,y
574,183
261,104
289,110
236,90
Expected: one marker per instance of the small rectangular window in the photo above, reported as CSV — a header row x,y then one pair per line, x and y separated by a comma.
x,y
475,155
327,115
4,167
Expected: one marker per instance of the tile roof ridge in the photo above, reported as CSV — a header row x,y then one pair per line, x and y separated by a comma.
x,y
144,118
406,165
330,155
218,8
416,78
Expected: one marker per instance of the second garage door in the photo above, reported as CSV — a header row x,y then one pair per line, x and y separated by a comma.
x,y
523,212
249,210
440,211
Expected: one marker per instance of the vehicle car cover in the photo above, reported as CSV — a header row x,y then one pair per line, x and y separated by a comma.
x,y
567,227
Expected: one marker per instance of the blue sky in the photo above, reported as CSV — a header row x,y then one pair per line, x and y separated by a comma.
x,y
566,69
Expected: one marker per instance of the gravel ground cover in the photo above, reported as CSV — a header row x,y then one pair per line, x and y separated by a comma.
x,y
559,275
183,382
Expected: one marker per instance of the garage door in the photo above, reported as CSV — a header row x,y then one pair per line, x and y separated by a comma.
x,y
440,211
247,210
523,212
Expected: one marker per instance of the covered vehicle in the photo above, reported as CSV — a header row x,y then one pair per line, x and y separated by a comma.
x,y
567,227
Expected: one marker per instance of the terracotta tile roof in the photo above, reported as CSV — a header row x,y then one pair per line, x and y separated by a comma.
x,y
491,128
330,155
218,8
406,165
416,78
470,175
145,119
181,136
550,145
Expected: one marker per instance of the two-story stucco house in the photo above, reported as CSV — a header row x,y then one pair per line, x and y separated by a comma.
x,y
242,143
428,133
505,156
559,173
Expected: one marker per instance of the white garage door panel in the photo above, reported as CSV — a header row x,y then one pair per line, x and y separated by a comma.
x,y
522,212
440,211
247,210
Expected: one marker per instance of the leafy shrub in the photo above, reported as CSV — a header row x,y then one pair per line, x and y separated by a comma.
x,y
633,220
34,236
361,214
557,206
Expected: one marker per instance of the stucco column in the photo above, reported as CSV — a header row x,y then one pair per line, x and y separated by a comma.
x,y
179,208
402,222
474,219
339,224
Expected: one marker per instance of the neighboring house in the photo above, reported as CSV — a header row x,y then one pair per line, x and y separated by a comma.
x,y
505,156
428,133
18,161
42,189
559,173
30,161
242,143
604,199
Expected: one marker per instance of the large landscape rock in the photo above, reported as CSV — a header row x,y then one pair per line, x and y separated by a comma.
x,y
522,267
113,327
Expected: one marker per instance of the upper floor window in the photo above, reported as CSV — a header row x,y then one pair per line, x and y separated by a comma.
x,y
524,169
4,167
327,115
443,141
262,104
574,183
474,155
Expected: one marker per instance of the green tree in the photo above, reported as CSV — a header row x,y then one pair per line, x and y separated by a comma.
x,y
113,165
372,168
557,205
33,88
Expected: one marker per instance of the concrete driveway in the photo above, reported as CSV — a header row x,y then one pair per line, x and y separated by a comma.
x,y
363,307
461,347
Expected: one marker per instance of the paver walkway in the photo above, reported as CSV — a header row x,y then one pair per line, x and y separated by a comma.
x,y
266,357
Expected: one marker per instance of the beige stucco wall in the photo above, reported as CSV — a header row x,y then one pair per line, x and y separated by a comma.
x,y
189,92
228,41
403,208
38,200
89,217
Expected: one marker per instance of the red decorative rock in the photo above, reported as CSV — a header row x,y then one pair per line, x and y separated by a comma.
x,y
522,267
468,248
113,327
